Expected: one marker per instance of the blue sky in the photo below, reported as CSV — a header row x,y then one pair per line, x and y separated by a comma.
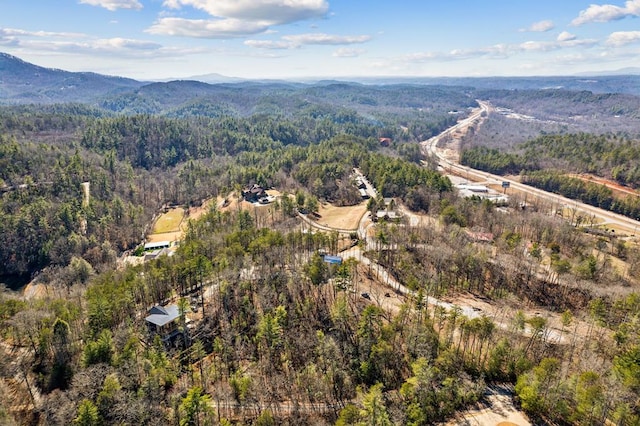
x,y
155,39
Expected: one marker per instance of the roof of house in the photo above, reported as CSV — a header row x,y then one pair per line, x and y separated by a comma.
x,y
472,188
161,315
388,213
157,253
157,245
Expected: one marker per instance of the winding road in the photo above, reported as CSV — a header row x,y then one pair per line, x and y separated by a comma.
x,y
430,147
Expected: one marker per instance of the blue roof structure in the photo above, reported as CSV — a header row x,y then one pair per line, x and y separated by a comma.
x,y
335,260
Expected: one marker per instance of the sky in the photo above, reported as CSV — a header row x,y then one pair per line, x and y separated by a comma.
x,y
166,39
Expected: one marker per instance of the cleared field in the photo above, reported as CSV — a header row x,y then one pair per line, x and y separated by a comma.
x,y
169,221
341,217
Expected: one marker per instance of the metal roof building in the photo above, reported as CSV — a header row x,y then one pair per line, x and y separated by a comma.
x,y
162,315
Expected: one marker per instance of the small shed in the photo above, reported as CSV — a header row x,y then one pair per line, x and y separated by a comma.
x,y
333,260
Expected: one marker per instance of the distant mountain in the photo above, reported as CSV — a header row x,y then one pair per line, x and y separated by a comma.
x,y
22,82
621,71
215,78
215,94
620,83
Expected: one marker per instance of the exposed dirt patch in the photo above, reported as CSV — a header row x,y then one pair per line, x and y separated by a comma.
x,y
165,236
617,189
195,212
503,313
498,409
379,293
36,291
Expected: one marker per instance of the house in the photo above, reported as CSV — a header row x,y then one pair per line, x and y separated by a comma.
x,y
164,321
389,212
157,253
254,193
388,215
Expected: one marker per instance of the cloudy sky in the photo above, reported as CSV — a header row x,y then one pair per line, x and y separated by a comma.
x,y
154,39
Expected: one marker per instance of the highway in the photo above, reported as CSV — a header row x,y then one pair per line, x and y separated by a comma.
x,y
430,148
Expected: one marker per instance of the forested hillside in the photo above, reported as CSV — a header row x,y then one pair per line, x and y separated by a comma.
x,y
268,329
136,163
25,83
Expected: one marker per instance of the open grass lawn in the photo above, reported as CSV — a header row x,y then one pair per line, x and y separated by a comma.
x,y
169,221
341,217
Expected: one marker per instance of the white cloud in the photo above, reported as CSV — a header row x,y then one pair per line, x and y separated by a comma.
x,y
15,32
206,28
546,46
320,38
273,11
236,18
539,27
268,44
565,36
123,43
501,51
299,40
594,58
346,52
423,57
114,5
78,43
620,38
607,12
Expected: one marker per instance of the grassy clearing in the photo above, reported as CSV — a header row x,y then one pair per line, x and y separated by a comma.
x,y
341,217
169,221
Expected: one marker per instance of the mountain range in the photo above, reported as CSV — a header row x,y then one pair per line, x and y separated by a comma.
x,y
25,83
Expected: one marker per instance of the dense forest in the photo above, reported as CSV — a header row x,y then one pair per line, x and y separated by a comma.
x,y
135,164
271,333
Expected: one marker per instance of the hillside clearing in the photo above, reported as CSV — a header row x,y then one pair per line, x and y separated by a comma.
x,y
169,221
341,217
